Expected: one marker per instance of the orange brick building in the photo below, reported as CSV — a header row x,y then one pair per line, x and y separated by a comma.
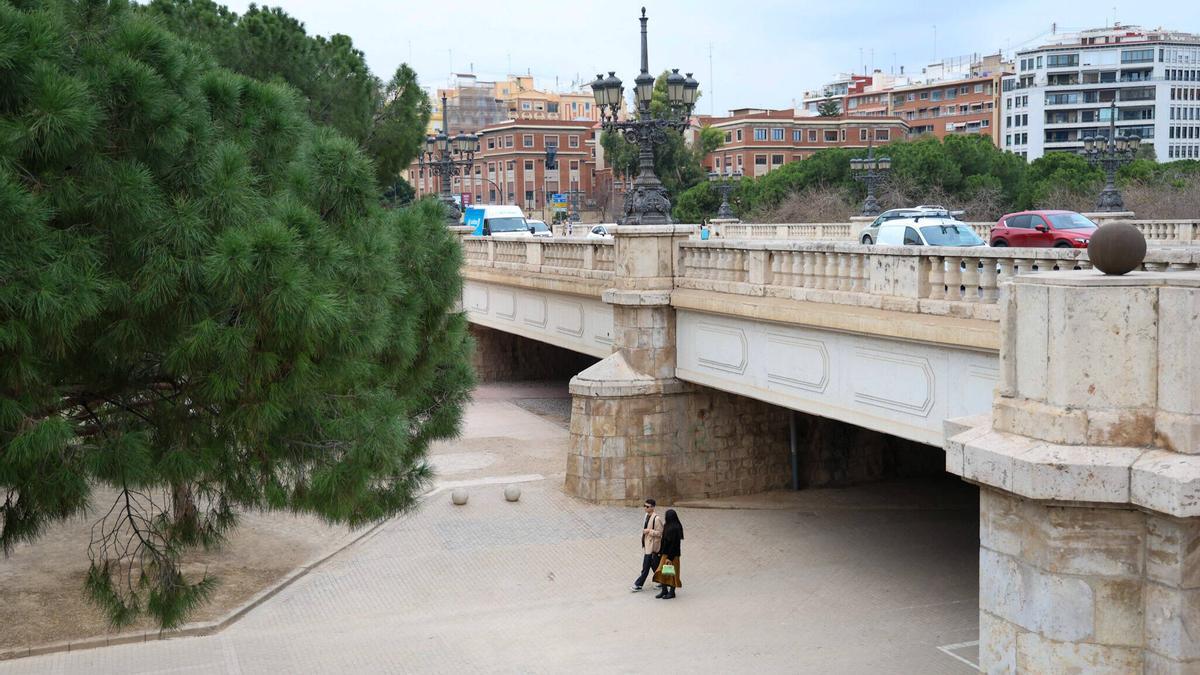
x,y
510,164
963,106
758,141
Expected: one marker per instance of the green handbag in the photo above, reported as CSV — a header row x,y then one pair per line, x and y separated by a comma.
x,y
668,569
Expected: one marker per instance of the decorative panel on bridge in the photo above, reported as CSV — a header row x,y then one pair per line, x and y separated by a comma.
x,y
889,385
583,324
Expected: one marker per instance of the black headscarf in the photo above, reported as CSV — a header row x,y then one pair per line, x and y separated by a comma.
x,y
673,525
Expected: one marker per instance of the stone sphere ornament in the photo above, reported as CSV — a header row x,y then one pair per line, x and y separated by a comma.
x,y
512,493
1117,248
458,496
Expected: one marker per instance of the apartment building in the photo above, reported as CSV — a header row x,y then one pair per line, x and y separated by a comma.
x,y
1063,91
474,104
941,108
758,141
510,164
844,85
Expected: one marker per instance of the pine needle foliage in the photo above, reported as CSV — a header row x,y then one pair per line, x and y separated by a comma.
x,y
202,305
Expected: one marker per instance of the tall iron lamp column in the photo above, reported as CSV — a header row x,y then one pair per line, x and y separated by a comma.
x,y
1110,154
871,171
448,156
647,202
725,184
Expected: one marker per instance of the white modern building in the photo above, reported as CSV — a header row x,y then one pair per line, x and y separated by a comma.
x,y
1062,92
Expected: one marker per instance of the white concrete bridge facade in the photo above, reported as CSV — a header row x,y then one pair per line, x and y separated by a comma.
x,y
1072,400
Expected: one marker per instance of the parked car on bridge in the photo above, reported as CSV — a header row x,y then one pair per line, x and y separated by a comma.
x,y
539,228
870,234
928,230
599,232
1043,229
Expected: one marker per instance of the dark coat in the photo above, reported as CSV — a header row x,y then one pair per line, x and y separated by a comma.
x,y
672,539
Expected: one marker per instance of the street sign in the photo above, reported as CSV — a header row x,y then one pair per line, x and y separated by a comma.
x,y
559,201
466,198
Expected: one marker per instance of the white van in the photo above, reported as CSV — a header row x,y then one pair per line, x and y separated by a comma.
x,y
489,219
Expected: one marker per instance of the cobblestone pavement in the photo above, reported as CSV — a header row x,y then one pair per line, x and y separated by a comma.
x,y
541,586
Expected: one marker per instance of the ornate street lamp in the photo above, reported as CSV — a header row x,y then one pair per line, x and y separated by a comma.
x,y
647,202
871,171
447,156
1110,153
725,184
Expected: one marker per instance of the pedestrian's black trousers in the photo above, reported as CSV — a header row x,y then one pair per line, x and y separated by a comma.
x,y
649,564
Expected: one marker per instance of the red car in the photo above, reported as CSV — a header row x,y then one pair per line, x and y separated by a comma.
x,y
1060,229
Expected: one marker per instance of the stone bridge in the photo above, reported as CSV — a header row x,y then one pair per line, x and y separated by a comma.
x,y
1070,398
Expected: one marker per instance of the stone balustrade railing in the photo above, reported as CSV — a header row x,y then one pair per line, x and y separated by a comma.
x,y
1183,232
944,281
575,257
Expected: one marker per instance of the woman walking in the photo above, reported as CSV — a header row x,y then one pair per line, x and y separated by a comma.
x,y
668,568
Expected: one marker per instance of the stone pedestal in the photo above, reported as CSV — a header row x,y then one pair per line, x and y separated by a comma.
x,y
636,430
1089,475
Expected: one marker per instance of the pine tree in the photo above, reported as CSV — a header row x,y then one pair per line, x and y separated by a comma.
x,y
201,305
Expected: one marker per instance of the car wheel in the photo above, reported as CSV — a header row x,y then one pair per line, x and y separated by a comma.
x,y
867,241
1062,244
1000,243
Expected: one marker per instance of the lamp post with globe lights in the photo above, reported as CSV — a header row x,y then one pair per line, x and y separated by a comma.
x,y
725,184
646,203
447,156
1110,153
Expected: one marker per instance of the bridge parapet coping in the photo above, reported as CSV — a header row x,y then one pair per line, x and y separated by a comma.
x,y
941,281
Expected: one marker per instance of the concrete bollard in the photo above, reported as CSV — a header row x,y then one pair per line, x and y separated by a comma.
x,y
458,496
512,493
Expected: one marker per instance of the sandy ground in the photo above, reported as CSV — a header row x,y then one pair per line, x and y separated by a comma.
x,y
42,583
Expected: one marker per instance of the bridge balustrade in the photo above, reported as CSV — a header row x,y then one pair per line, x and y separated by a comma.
x,y
932,280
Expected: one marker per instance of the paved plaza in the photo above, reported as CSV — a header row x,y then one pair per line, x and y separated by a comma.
x,y
872,579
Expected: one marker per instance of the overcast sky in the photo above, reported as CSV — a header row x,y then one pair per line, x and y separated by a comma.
x,y
765,53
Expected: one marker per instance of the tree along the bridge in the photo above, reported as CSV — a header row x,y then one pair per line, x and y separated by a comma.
x,y
388,120
202,306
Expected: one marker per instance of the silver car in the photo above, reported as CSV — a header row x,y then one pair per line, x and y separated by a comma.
x,y
870,235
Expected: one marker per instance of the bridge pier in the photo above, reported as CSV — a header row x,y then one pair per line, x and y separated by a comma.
x,y
1089,475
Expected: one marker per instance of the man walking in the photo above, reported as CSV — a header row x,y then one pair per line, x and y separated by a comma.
x,y
652,529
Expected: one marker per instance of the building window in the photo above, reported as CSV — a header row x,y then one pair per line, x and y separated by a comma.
x,y
777,134
883,134
760,134
572,141
739,135
760,160
797,136
831,136
491,143
862,134
527,140
529,165
924,96
1062,60
525,105
776,159
812,135
529,197
551,107
1039,62
508,141
550,141
728,136
1137,56
574,165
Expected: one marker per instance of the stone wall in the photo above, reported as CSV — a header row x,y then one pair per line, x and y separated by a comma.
x,y
1076,588
503,356
835,453
691,443
700,443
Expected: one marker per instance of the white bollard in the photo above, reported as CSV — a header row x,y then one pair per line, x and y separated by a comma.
x,y
458,496
512,493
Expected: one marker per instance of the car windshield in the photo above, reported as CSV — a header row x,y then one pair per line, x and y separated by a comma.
x,y
1070,221
950,235
513,224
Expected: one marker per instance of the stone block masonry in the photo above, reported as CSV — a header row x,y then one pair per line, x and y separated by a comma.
x,y
503,356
